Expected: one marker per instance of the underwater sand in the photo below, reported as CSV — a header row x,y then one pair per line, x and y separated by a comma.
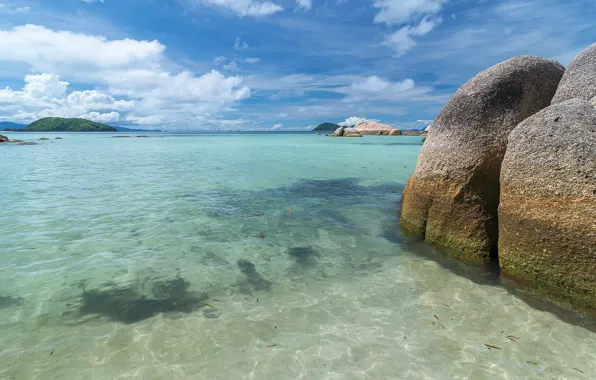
x,y
246,257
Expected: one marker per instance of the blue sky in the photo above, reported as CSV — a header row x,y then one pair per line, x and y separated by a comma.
x,y
266,64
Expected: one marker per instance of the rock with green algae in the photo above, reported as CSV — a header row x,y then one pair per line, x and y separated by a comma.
x,y
452,198
547,212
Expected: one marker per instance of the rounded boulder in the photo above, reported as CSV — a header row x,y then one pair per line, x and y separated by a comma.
x,y
579,80
452,198
547,213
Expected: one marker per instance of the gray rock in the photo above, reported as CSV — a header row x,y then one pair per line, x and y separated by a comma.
x,y
338,132
352,132
452,198
579,80
395,132
27,143
3,139
547,213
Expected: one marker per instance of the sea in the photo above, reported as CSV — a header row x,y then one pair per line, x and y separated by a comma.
x,y
249,256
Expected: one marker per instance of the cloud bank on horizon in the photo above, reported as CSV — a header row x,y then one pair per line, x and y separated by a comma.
x,y
265,64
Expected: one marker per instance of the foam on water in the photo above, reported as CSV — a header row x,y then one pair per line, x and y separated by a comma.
x,y
246,257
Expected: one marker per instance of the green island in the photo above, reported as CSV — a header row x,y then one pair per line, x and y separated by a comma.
x,y
59,124
326,127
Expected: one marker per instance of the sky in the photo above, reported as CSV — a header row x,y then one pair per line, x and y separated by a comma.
x,y
266,64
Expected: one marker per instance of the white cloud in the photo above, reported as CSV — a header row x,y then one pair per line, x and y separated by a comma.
x,y
252,60
129,69
110,117
92,1
401,41
7,8
232,66
220,59
278,126
403,11
246,7
353,120
240,45
45,95
304,4
51,51
400,12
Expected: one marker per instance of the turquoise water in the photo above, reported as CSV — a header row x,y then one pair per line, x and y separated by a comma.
x,y
245,257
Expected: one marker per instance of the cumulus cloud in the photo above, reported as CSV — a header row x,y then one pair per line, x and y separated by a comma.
x,y
50,51
352,120
401,41
246,7
128,69
304,4
46,95
278,126
403,11
220,59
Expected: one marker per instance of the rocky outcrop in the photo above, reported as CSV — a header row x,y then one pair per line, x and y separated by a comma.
x,y
3,139
395,132
452,198
579,80
352,132
44,139
410,133
373,128
338,132
547,214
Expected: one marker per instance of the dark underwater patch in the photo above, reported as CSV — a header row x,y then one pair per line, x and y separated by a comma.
x,y
129,304
8,301
254,278
303,255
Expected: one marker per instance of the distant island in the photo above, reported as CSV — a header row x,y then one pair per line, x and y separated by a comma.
x,y
59,124
326,127
8,126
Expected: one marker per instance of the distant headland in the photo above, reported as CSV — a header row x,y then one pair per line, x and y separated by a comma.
x,y
60,124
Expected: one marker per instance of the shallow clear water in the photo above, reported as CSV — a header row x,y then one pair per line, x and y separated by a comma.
x,y
244,257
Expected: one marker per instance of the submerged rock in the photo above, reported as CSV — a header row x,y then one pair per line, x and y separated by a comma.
x,y
452,198
547,213
44,139
579,80
58,138
27,143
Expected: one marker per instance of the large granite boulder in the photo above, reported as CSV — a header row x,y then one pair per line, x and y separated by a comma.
x,y
3,139
452,198
410,133
547,214
579,80
373,128
338,132
395,132
352,132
